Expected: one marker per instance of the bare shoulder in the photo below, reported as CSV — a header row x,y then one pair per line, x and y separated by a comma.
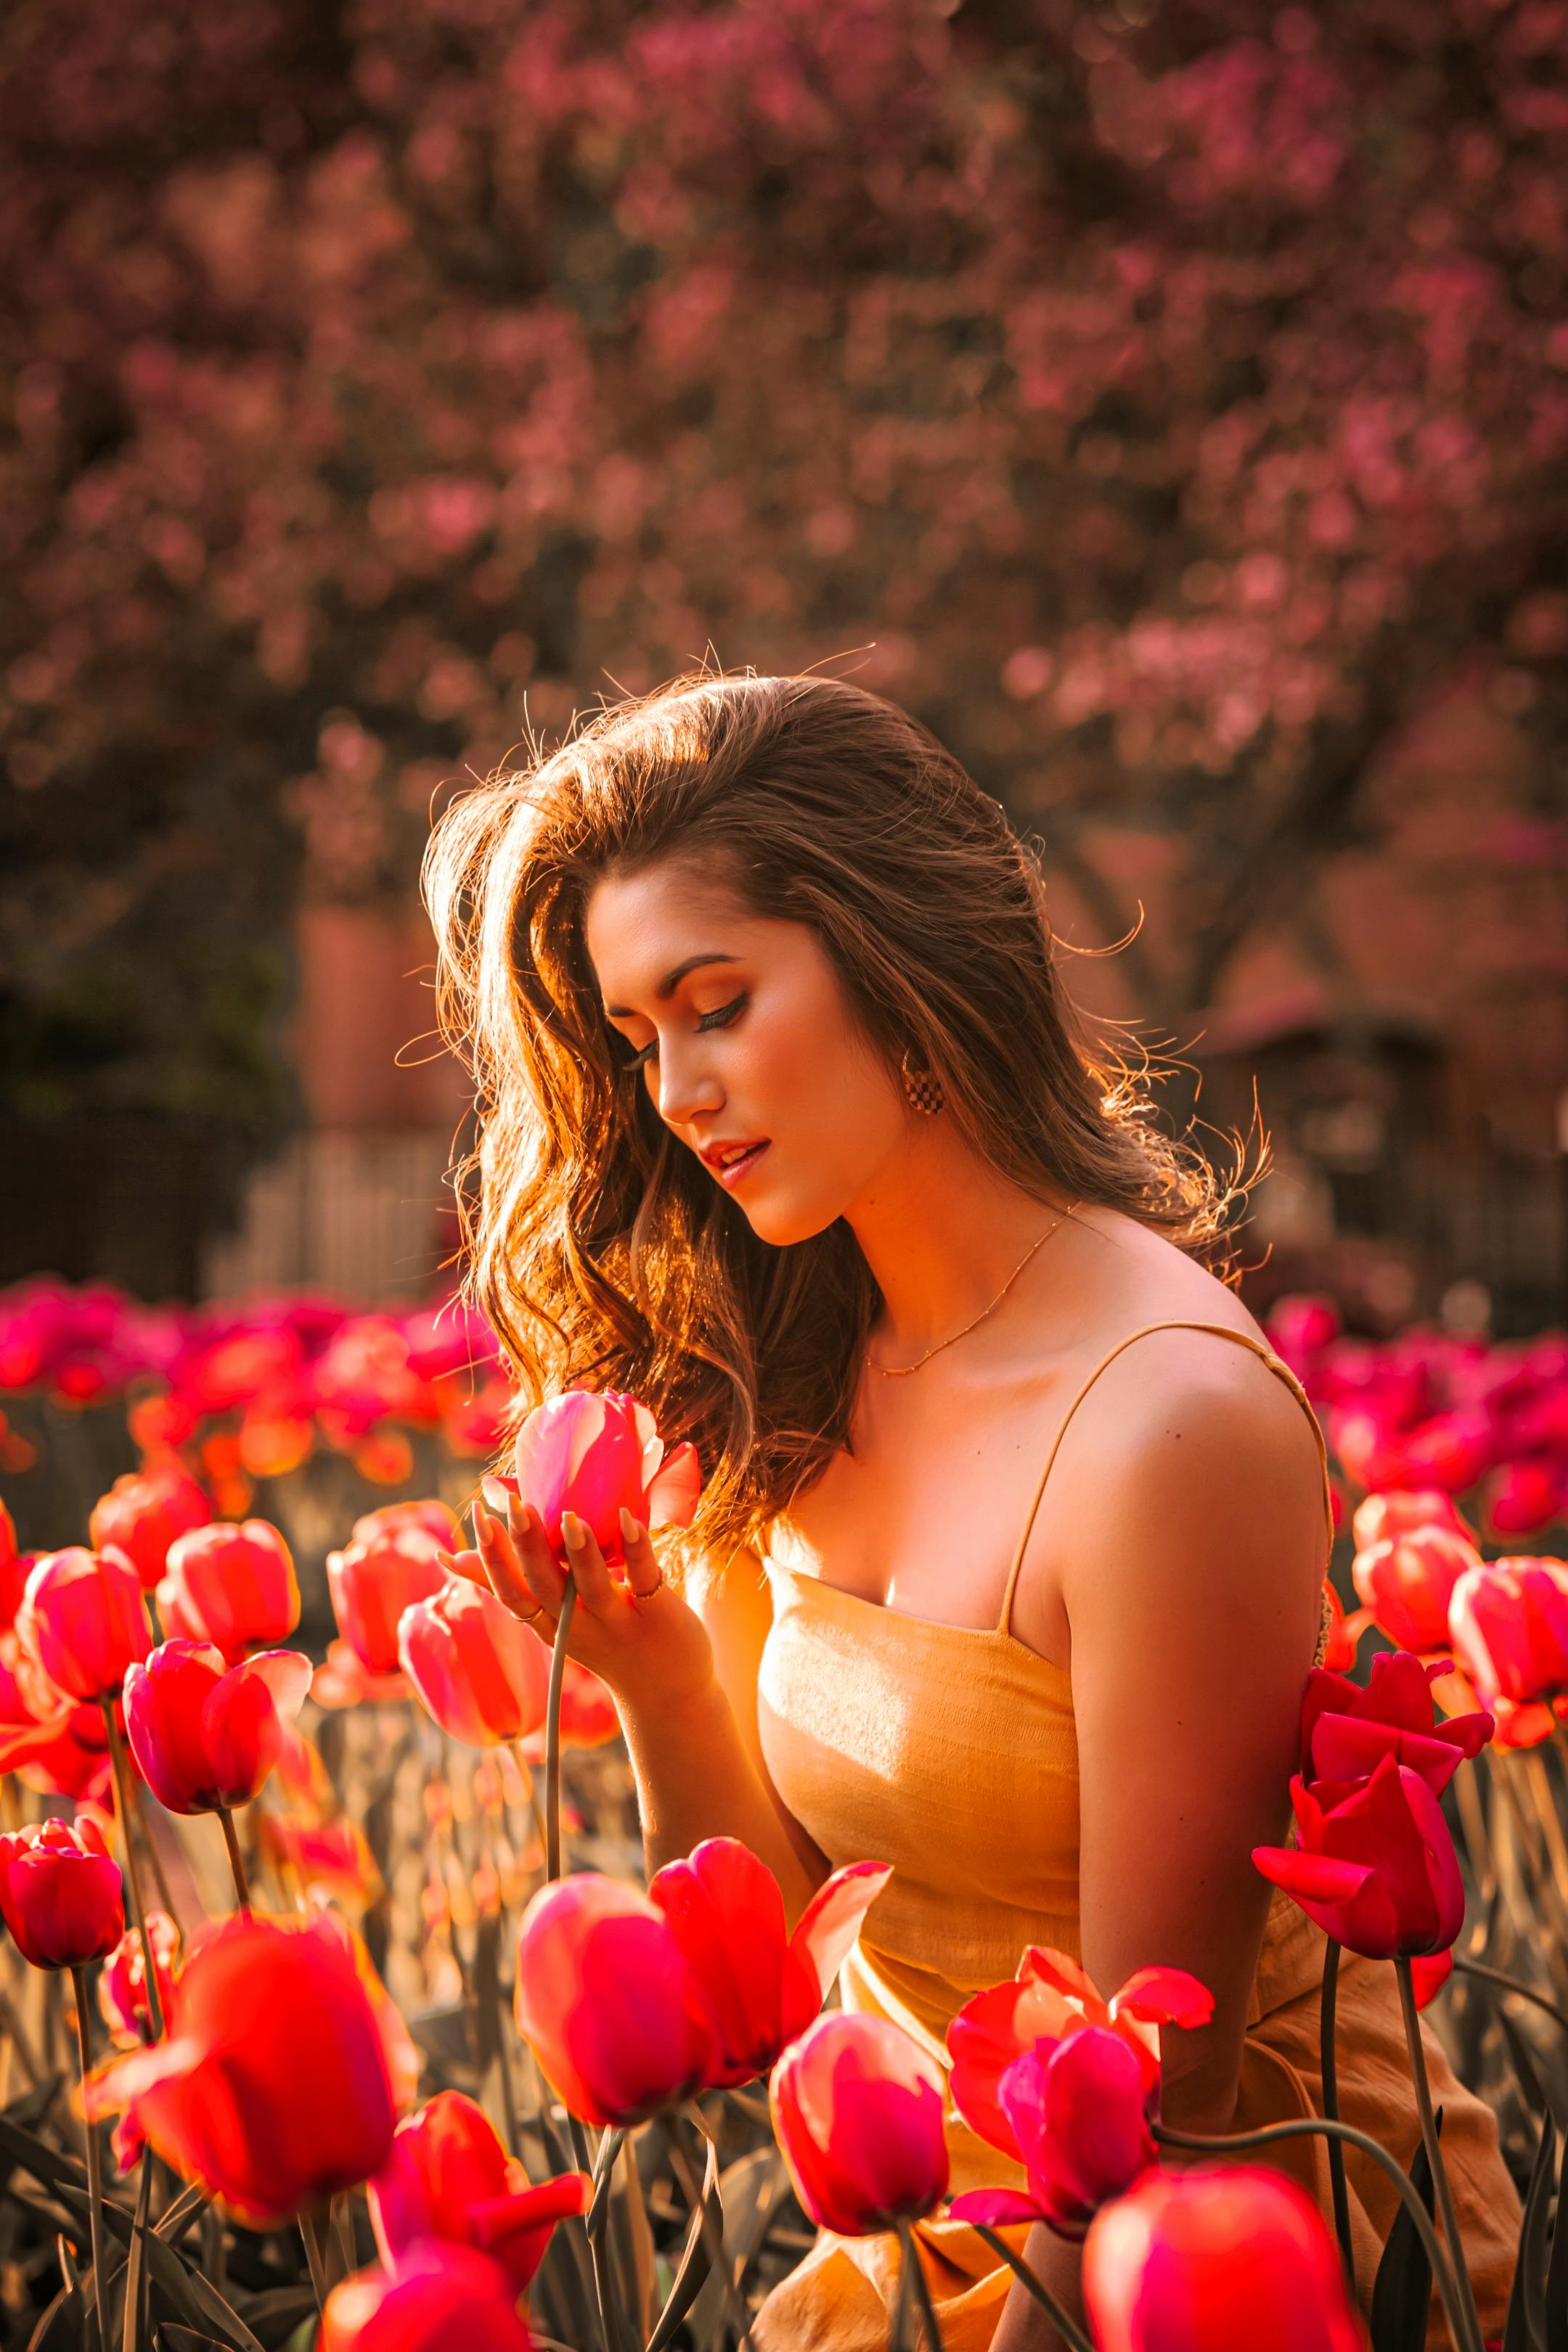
x,y
732,1598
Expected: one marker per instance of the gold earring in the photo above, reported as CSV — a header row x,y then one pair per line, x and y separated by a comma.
x,y
922,1089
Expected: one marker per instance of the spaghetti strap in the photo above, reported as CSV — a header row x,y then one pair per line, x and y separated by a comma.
x,y
1178,1323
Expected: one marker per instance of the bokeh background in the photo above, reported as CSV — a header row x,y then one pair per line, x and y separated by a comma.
x,y
1165,399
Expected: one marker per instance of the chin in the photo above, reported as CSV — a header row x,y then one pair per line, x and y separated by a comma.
x,y
782,1223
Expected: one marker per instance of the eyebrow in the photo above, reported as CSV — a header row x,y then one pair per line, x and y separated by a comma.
x,y
666,987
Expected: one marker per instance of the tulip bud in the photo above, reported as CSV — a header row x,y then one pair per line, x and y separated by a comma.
x,y
83,1620
594,1452
233,1585
60,1892
206,1738
1375,1867
144,1511
439,2296
856,2108
481,1674
605,1996
1219,2259
1406,1581
373,1583
1509,1624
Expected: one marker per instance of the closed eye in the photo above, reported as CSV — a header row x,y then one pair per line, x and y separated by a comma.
x,y
723,1017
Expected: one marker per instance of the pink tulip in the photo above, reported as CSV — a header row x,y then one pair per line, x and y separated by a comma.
x,y
856,2108
1380,1518
205,1738
1051,1999
144,1511
1522,1497
232,1586
60,1892
83,1620
449,2177
373,1583
1219,2259
427,1515
1405,1582
1375,1867
481,1674
1509,1624
1079,2114
592,1453
727,1913
604,1995
122,1981
1450,1452
439,2299
1346,1730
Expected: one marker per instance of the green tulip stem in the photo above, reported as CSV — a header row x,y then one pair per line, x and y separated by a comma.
x,y
122,1804
94,2164
314,2256
552,1731
920,2287
1331,2074
1434,2154
1303,2127
236,1859
1035,2288
710,2219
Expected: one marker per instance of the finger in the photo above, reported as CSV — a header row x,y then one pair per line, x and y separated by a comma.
x,y
504,1572
594,1589
643,1573
465,1564
541,1571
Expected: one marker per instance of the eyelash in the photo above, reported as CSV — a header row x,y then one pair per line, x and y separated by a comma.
x,y
720,1018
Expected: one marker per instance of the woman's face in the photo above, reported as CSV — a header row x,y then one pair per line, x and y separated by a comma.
x,y
745,1039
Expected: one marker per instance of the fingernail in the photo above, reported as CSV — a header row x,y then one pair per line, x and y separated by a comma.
x,y
573,1530
483,1523
628,1526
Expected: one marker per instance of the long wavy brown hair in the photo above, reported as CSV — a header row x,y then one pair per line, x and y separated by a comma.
x,y
599,1246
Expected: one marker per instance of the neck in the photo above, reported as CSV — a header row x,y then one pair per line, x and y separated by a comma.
x,y
942,1232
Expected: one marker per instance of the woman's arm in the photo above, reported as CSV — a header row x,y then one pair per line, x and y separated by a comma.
x,y
683,1672
1195,1502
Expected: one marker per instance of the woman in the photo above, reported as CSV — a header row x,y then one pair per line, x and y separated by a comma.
x,y
1009,1560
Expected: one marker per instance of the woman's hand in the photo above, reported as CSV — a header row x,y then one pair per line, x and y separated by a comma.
x,y
637,1636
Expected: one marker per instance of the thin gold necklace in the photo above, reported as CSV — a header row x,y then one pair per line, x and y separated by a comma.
x,y
897,1372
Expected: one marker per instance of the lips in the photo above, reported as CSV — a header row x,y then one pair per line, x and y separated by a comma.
x,y
734,1159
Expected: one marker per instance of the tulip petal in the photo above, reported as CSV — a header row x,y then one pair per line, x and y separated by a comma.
x,y
287,1674
1163,1997
995,2209
826,1933
672,1496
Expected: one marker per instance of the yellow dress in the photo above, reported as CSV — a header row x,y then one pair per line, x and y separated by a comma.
x,y
951,1753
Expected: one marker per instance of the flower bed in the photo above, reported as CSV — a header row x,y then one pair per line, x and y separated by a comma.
x,y
397,2030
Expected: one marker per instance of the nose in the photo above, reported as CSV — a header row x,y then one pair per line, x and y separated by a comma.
x,y
686,1089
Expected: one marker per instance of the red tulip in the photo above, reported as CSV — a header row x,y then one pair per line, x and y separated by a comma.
x,y
1375,1867
591,1453
1429,1972
480,1672
1509,1624
1346,1730
439,2297
1078,2112
604,1994
1405,1581
427,1516
59,1890
122,1980
449,2177
14,1566
1379,1517
274,2088
1049,2000
857,2107
373,1583
1449,1451
144,1511
1218,2259
232,1586
727,1913
52,1745
83,1620
1522,1496
207,1737
1344,1632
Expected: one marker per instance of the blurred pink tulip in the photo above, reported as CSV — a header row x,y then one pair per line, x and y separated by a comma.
x,y
144,1511
1523,1496
207,1738
1219,2259
83,1620
727,1913
479,1672
1375,1867
427,1514
373,1583
1509,1625
1380,1518
122,1980
439,2298
608,2002
449,2178
232,1586
592,1453
1347,1730
858,2107
1405,1581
